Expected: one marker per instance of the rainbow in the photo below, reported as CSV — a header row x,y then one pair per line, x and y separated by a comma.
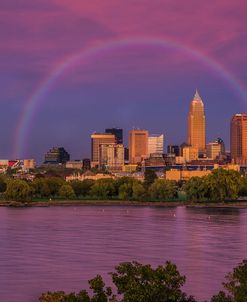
x,y
38,96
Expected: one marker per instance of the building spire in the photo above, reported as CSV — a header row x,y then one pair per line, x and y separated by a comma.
x,y
197,96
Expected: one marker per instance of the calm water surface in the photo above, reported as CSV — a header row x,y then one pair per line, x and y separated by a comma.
x,y
58,248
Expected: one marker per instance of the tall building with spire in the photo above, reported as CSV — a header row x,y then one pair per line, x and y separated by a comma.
x,y
196,124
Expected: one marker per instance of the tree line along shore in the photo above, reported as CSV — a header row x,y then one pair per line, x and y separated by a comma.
x,y
219,187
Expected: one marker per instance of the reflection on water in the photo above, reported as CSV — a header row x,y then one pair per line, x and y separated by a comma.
x,y
58,248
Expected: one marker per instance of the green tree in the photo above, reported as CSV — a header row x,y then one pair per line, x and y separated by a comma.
x,y
134,283
196,189
139,192
66,191
3,184
125,191
223,184
100,292
235,285
41,188
103,188
142,283
18,190
54,184
243,187
163,189
149,177
82,188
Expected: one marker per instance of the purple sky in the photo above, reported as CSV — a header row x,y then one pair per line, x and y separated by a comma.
x,y
144,85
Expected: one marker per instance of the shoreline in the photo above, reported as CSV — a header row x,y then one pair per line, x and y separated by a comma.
x,y
69,203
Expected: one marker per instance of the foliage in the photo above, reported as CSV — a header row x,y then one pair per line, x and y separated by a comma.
x,y
163,189
134,283
139,192
41,188
223,184
243,187
196,189
220,185
18,190
82,188
54,184
137,282
122,181
125,191
103,188
236,285
66,191
3,184
149,177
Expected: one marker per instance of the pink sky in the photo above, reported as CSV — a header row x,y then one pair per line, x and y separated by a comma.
x,y
36,34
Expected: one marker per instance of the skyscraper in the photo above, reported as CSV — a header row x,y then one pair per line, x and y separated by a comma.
x,y
156,144
118,132
138,146
239,139
97,139
57,155
196,124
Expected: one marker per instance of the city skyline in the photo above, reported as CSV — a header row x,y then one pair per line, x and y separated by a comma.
x,y
66,65
119,136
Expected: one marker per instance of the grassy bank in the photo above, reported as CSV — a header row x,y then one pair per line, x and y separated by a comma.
x,y
48,203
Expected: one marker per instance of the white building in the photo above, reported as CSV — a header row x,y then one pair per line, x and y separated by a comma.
x,y
156,144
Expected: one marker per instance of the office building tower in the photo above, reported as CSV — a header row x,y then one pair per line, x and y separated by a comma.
x,y
156,144
173,149
118,132
57,155
98,139
239,139
196,124
111,157
138,146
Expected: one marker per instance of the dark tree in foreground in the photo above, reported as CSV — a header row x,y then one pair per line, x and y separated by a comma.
x,y
134,283
235,285
142,283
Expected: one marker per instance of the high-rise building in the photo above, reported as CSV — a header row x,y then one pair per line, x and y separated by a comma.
x,y
138,146
118,132
196,124
239,139
57,155
98,139
111,157
156,144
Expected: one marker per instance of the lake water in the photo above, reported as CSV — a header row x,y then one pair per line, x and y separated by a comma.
x,y
60,248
